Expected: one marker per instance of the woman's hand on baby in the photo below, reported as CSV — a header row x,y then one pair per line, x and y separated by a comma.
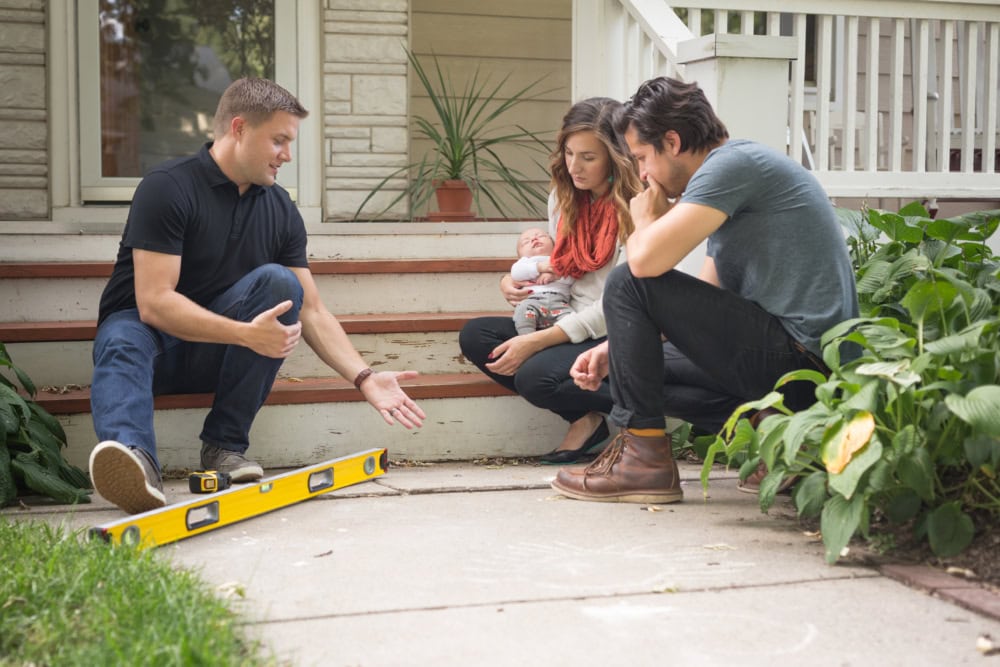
x,y
514,292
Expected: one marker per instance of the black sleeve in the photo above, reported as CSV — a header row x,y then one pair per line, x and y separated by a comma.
x,y
159,215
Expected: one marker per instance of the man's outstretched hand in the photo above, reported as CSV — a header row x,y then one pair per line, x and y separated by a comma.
x,y
591,367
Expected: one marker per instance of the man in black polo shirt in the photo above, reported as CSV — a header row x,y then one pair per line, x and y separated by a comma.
x,y
210,292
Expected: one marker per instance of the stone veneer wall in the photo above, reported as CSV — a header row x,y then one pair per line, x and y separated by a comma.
x,y
24,170
365,100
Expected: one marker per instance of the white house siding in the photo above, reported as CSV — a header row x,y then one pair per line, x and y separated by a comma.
x,y
23,126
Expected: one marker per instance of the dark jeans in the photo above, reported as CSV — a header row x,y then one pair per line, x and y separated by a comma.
x,y
544,378
134,362
723,351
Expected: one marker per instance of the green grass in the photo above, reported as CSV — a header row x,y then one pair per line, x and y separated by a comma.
x,y
68,600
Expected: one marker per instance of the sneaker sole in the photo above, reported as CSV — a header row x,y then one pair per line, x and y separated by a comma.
x,y
247,473
119,477
660,498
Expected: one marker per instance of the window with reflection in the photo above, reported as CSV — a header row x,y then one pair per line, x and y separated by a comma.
x,y
163,65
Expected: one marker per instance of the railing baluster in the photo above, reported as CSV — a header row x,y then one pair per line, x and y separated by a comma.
x,y
824,64
896,106
871,97
850,106
746,23
774,23
798,91
992,82
946,40
694,21
969,94
919,73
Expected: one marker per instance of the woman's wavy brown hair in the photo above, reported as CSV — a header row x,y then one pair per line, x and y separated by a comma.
x,y
598,115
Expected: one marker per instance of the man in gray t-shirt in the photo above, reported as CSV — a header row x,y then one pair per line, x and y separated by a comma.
x,y
776,277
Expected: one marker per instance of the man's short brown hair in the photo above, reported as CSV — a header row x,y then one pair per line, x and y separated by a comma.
x,y
255,100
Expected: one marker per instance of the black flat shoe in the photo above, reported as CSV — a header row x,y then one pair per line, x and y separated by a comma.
x,y
564,456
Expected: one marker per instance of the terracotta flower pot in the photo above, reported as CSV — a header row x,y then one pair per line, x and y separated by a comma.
x,y
454,199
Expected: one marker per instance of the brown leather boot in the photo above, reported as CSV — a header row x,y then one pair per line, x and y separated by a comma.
x,y
632,469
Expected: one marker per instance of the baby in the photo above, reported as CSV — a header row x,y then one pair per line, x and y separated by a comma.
x,y
550,293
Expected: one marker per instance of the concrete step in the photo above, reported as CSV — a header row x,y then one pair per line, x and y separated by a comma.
x,y
40,291
96,239
468,417
59,353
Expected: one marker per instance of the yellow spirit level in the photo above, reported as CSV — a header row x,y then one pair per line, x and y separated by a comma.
x,y
176,522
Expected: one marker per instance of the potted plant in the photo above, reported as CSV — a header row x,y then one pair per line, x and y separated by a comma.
x,y
466,131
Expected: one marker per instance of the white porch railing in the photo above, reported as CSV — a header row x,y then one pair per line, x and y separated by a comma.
x,y
886,98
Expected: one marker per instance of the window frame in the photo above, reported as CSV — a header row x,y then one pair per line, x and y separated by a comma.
x,y
75,112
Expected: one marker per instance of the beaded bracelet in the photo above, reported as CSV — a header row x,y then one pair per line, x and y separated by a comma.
x,y
362,376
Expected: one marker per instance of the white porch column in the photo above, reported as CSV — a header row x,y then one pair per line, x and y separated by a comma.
x,y
745,77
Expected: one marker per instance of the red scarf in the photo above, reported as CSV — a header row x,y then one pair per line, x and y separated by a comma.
x,y
593,238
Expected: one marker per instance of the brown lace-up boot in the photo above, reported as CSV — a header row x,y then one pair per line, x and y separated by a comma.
x,y
632,469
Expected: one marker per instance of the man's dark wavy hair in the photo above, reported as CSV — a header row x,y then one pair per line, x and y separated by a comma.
x,y
664,104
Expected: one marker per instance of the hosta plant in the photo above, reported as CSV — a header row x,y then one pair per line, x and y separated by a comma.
x,y
908,431
31,441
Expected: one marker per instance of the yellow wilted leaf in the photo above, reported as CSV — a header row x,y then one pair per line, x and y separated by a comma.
x,y
856,435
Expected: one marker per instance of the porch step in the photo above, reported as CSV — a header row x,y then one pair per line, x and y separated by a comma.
x,y
59,353
47,291
468,417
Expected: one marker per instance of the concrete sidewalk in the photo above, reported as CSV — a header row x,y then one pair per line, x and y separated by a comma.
x,y
460,564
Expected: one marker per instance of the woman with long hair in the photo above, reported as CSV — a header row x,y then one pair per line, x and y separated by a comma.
x,y
593,179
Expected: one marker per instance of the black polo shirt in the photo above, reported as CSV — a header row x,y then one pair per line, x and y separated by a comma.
x,y
188,207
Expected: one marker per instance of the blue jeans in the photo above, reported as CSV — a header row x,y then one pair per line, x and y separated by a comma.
x,y
723,351
134,362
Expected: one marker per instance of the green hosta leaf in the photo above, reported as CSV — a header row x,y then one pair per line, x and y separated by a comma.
x,y
886,341
980,408
9,421
772,438
916,471
982,305
903,506
949,530
915,209
980,449
769,488
956,344
866,398
800,425
40,479
927,298
945,229
874,276
880,478
50,423
839,521
846,482
897,372
717,447
18,406
810,495
896,227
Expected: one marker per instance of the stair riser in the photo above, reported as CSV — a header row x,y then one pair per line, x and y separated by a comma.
x,y
63,363
296,435
40,299
330,241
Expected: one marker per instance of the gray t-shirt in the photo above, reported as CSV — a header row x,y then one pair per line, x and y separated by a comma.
x,y
781,246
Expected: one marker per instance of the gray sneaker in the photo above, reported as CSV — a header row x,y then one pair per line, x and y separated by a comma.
x,y
239,467
127,477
